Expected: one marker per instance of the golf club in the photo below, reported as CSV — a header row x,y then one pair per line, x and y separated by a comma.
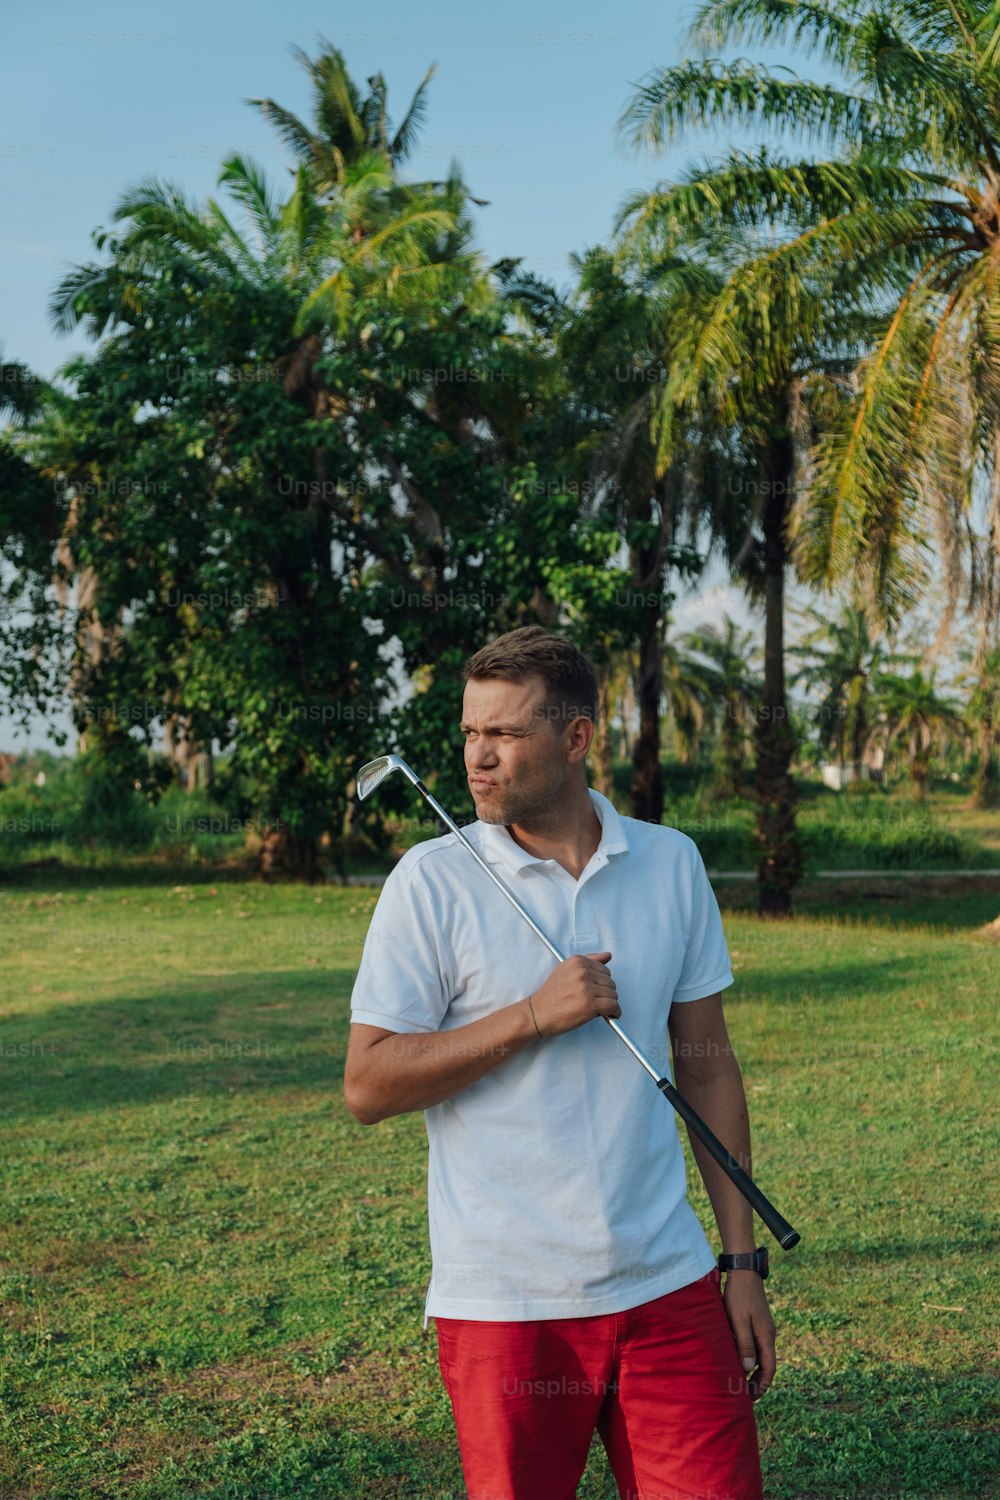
x,y
368,779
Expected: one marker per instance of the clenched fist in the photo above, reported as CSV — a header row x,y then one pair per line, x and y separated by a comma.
x,y
576,991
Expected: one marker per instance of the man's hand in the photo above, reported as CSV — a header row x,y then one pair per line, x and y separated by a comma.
x,y
576,991
745,1302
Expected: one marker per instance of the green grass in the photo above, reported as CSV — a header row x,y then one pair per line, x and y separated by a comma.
x,y
213,1278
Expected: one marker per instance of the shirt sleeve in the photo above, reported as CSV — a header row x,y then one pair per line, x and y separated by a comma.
x,y
706,968
404,981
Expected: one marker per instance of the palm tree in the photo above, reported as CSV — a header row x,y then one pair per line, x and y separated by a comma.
x,y
749,348
614,677
911,204
346,126
982,711
688,692
919,721
611,339
734,694
20,390
841,660
904,211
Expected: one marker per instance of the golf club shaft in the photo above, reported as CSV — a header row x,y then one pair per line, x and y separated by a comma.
x,y
776,1223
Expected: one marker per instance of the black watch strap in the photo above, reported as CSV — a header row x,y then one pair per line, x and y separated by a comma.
x,y
746,1261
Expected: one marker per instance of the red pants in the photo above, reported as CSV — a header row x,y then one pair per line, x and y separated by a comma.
x,y
661,1383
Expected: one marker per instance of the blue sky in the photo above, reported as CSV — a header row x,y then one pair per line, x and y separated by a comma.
x,y
526,98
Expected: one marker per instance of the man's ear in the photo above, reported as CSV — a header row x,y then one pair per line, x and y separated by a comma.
x,y
579,733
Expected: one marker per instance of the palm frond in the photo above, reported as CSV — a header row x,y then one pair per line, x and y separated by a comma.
x,y
247,183
702,94
158,214
882,480
534,299
754,190
405,137
306,229
336,101
297,136
21,391
825,28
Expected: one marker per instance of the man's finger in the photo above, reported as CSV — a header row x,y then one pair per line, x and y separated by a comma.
x,y
767,1359
746,1347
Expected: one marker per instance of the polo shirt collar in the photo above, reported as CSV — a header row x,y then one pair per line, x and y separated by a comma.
x,y
500,849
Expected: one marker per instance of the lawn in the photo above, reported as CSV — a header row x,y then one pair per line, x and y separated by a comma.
x,y
213,1278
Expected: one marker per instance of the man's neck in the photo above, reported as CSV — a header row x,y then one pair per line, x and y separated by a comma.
x,y
569,835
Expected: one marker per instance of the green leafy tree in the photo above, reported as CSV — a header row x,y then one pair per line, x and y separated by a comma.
x,y
217,495
334,407
30,518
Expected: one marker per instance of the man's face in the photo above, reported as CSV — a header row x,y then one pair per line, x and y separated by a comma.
x,y
515,752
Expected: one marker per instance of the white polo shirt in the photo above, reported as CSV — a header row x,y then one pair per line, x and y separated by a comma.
x,y
556,1183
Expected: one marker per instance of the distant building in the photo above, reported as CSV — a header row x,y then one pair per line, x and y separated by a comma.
x,y
837,777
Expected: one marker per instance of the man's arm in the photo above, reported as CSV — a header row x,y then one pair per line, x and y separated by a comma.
x,y
391,1072
707,1074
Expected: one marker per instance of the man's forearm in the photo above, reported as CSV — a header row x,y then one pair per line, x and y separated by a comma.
x,y
721,1103
416,1070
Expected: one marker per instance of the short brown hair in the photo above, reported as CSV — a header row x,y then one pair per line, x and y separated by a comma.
x,y
569,678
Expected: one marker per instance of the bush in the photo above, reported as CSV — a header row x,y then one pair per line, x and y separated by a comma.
x,y
105,811
872,832
723,831
82,806
861,828
25,820
190,825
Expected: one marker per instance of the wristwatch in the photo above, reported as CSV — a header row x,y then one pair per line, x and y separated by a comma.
x,y
747,1261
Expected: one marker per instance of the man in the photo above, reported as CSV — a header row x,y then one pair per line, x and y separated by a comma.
x,y
572,1286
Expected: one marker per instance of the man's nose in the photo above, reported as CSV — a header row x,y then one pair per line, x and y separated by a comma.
x,y
479,754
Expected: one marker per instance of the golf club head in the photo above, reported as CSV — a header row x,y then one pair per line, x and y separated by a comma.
x,y
374,773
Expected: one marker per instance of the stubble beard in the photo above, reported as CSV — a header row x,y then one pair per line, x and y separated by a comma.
x,y
526,809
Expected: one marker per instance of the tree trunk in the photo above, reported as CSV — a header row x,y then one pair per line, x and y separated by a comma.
x,y
779,861
191,760
203,769
288,855
648,559
858,738
627,707
647,774
731,747
603,757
